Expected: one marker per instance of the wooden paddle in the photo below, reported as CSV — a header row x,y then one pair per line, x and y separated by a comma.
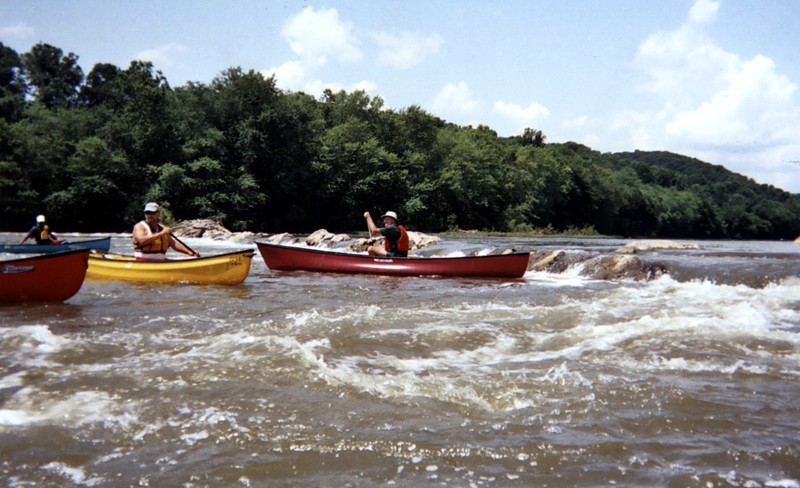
x,y
177,239
184,245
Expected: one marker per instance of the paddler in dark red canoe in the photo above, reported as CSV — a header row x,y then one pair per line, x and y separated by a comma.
x,y
395,237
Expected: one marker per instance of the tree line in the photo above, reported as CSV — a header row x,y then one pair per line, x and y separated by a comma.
x,y
90,150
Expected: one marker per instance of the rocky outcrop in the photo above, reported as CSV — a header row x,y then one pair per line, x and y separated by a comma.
x,y
655,245
211,229
208,228
323,238
599,267
277,238
416,240
553,262
622,264
621,267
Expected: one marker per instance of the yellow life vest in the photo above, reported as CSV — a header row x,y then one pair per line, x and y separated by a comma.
x,y
44,235
159,246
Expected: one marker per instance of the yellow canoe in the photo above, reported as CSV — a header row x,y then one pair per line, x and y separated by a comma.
x,y
223,269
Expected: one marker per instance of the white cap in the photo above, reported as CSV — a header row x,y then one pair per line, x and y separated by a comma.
x,y
40,218
151,207
390,214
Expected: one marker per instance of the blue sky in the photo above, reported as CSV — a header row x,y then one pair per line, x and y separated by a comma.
x,y
716,80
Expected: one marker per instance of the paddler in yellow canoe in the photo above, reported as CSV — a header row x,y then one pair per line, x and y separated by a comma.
x,y
151,240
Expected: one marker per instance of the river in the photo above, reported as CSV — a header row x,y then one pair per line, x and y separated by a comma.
x,y
303,379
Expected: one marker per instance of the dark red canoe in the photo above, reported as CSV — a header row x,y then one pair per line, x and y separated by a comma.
x,y
46,278
293,258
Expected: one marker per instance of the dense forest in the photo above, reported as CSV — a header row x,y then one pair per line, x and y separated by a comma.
x,y
90,149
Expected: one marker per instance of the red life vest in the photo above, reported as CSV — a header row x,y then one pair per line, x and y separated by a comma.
x,y
402,243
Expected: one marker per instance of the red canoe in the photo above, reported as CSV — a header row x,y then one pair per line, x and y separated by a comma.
x,y
293,258
46,278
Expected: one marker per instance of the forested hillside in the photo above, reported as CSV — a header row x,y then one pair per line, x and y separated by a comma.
x,y
90,149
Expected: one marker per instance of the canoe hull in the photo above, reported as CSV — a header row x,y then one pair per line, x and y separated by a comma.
x,y
47,278
99,245
224,269
292,258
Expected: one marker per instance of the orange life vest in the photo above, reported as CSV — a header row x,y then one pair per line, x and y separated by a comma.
x,y
402,243
158,246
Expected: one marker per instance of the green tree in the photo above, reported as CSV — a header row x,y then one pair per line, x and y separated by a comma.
x,y
53,77
98,192
532,137
471,159
12,84
355,174
101,88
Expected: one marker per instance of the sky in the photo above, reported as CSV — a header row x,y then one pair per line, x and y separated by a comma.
x,y
715,80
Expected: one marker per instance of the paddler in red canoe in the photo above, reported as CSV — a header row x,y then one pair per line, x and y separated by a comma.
x,y
395,237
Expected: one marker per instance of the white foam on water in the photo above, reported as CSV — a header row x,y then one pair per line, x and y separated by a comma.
x,y
785,483
72,474
194,437
12,380
569,278
664,317
32,345
31,406
216,243
350,372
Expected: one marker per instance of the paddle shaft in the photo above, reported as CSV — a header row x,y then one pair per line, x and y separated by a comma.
x,y
176,238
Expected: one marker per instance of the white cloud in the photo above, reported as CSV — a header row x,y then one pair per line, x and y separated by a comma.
x,y
322,41
365,85
703,12
749,113
522,118
163,56
316,36
316,87
683,65
590,140
19,31
576,122
455,102
715,106
294,76
405,50
291,75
